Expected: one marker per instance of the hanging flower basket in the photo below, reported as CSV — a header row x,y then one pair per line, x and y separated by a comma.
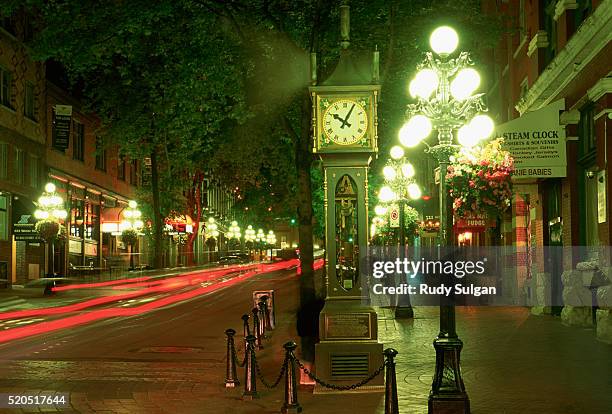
x,y
129,236
48,229
479,180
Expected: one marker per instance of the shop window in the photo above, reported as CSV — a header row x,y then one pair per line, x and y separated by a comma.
x,y
121,168
29,108
34,171
134,172
19,166
586,131
78,143
4,222
6,81
76,218
92,221
100,154
3,160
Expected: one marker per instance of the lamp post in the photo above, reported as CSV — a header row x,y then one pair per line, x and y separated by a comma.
x,y
249,238
233,234
130,226
271,241
211,233
50,211
444,88
399,178
260,239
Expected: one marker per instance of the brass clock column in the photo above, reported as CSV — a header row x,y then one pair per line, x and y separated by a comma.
x,y
345,138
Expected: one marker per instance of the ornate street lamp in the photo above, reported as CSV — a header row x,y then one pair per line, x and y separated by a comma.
x,y
249,238
211,234
444,88
49,213
130,227
399,178
233,234
260,239
271,241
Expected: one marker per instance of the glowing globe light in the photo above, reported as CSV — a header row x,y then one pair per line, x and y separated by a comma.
x,y
397,152
424,84
414,191
464,84
380,210
41,215
132,204
482,126
59,214
127,214
211,219
138,224
386,194
444,40
415,130
466,136
389,173
408,170
50,188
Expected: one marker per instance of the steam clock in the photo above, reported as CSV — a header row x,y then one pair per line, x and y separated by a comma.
x,y
345,138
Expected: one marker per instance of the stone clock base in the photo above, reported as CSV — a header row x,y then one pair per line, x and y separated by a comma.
x,y
349,350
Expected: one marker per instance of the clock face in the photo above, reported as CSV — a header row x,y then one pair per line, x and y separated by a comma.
x,y
345,121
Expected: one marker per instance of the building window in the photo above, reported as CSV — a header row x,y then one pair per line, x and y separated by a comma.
x,y
121,168
78,143
29,109
586,131
550,25
4,223
19,166
92,220
134,172
584,9
34,173
76,218
3,160
6,81
100,154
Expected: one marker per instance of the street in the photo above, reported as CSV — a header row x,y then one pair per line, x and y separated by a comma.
x,y
172,360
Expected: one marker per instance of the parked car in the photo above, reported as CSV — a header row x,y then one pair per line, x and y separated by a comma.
x,y
244,257
232,259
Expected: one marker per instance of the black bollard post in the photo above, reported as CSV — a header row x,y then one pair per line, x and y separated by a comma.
x,y
257,327
291,405
391,404
231,380
246,331
267,316
262,319
250,375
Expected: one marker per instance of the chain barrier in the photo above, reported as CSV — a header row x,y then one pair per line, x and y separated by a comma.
x,y
340,387
261,377
236,360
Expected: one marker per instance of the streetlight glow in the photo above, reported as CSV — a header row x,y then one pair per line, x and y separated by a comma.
x,y
415,130
50,188
397,152
466,136
444,40
424,84
482,126
408,170
380,210
389,173
414,192
386,194
464,84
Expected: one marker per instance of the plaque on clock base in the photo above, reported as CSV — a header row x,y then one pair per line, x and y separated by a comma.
x,y
349,350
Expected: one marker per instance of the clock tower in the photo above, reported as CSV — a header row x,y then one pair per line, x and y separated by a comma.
x,y
344,125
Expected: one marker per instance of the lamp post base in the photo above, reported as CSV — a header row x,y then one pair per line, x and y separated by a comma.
x,y
404,312
448,394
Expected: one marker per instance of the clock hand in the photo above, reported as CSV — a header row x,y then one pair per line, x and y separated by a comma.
x,y
336,116
345,121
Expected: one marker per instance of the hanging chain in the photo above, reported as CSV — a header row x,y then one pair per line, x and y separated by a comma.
x,y
263,380
236,358
340,387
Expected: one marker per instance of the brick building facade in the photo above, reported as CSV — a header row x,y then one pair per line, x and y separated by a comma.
x,y
558,52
